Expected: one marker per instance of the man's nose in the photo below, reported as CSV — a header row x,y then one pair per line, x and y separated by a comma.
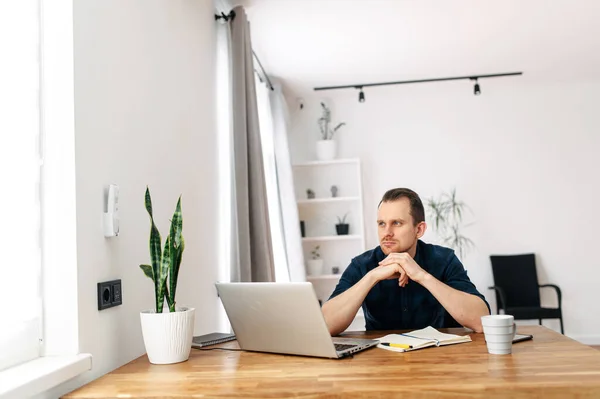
x,y
388,230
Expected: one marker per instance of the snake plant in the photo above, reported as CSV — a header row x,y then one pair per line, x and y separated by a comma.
x,y
164,267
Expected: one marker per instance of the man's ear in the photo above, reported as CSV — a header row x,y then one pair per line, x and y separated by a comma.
x,y
421,227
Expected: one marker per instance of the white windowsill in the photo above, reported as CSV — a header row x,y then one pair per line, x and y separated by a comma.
x,y
39,375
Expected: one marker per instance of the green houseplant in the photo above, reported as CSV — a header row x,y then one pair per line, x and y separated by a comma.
x,y
315,264
167,335
446,219
324,121
326,148
342,228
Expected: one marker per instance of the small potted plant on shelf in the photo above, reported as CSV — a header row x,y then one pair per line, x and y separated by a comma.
x,y
342,227
326,146
315,264
167,335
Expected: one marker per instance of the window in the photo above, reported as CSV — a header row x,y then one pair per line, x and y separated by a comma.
x,y
20,163
268,149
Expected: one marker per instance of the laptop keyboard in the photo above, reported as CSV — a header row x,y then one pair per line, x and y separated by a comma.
x,y
343,347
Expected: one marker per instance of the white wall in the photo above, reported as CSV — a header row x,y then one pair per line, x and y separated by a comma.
x,y
523,156
144,115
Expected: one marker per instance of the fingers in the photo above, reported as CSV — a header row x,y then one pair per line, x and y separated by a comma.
x,y
403,278
393,258
387,261
394,271
402,281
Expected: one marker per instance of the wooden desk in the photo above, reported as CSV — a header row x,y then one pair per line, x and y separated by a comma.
x,y
550,365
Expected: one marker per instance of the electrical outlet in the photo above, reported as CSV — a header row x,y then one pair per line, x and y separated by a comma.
x,y
109,294
117,297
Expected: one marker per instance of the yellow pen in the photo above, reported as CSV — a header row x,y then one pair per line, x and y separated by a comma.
x,y
403,346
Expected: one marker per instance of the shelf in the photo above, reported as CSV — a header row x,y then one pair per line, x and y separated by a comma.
x,y
323,277
325,163
327,200
332,238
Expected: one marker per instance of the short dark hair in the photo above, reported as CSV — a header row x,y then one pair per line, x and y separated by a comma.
x,y
416,206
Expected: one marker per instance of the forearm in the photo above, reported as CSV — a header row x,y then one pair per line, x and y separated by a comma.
x,y
465,308
340,311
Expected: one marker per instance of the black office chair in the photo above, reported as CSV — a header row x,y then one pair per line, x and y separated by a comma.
x,y
517,289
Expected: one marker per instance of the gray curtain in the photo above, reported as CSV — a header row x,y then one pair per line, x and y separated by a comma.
x,y
251,222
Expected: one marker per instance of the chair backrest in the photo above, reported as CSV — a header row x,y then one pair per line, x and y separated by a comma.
x,y
517,276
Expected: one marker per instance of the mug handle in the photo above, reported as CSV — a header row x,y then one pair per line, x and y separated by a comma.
x,y
514,328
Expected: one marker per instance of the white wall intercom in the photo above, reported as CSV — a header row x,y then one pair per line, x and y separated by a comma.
x,y
110,218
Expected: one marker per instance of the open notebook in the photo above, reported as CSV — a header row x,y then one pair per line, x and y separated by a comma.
x,y
420,339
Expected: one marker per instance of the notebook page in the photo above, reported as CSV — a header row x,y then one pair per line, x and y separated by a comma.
x,y
441,338
416,343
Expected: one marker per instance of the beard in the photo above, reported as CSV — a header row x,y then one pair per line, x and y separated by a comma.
x,y
389,246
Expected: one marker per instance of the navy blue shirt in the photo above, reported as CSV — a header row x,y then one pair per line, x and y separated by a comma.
x,y
391,307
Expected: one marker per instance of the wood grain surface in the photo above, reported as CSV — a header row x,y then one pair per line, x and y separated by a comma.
x,y
550,365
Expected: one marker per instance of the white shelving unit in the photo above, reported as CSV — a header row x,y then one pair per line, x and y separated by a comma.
x,y
333,238
321,214
335,277
326,200
326,163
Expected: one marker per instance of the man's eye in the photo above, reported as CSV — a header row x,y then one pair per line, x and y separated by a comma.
x,y
381,224
397,223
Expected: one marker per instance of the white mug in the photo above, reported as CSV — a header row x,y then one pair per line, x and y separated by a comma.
x,y
499,331
497,320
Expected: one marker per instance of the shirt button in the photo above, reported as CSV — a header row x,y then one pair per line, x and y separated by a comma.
x,y
405,309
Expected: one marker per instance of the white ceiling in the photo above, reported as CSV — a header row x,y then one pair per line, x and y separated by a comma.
x,y
310,43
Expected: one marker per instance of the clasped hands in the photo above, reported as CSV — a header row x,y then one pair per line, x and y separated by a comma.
x,y
399,266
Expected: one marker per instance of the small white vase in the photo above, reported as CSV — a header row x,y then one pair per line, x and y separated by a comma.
x,y
315,267
168,335
326,150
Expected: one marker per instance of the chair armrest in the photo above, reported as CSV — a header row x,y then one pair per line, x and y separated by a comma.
x,y
558,292
502,304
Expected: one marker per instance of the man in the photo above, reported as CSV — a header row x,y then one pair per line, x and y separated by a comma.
x,y
405,283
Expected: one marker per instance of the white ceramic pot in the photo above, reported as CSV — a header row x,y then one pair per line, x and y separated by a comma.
x,y
326,150
315,267
168,335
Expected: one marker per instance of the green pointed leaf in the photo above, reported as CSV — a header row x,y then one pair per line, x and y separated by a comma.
x,y
176,225
148,201
169,303
155,253
164,271
147,269
176,251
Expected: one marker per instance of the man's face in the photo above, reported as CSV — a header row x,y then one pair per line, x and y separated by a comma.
x,y
395,224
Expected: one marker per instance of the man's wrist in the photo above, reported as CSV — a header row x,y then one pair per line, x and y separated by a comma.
x,y
371,278
425,279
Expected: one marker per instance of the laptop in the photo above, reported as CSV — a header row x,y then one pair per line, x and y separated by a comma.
x,y
283,318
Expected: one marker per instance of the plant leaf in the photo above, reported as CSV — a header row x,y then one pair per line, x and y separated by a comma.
x,y
164,272
176,251
147,269
169,303
155,254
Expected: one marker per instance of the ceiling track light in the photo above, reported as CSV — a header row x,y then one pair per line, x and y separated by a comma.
x,y
476,89
361,95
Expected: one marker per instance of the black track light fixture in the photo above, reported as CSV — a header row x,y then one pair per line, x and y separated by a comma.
x,y
476,88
